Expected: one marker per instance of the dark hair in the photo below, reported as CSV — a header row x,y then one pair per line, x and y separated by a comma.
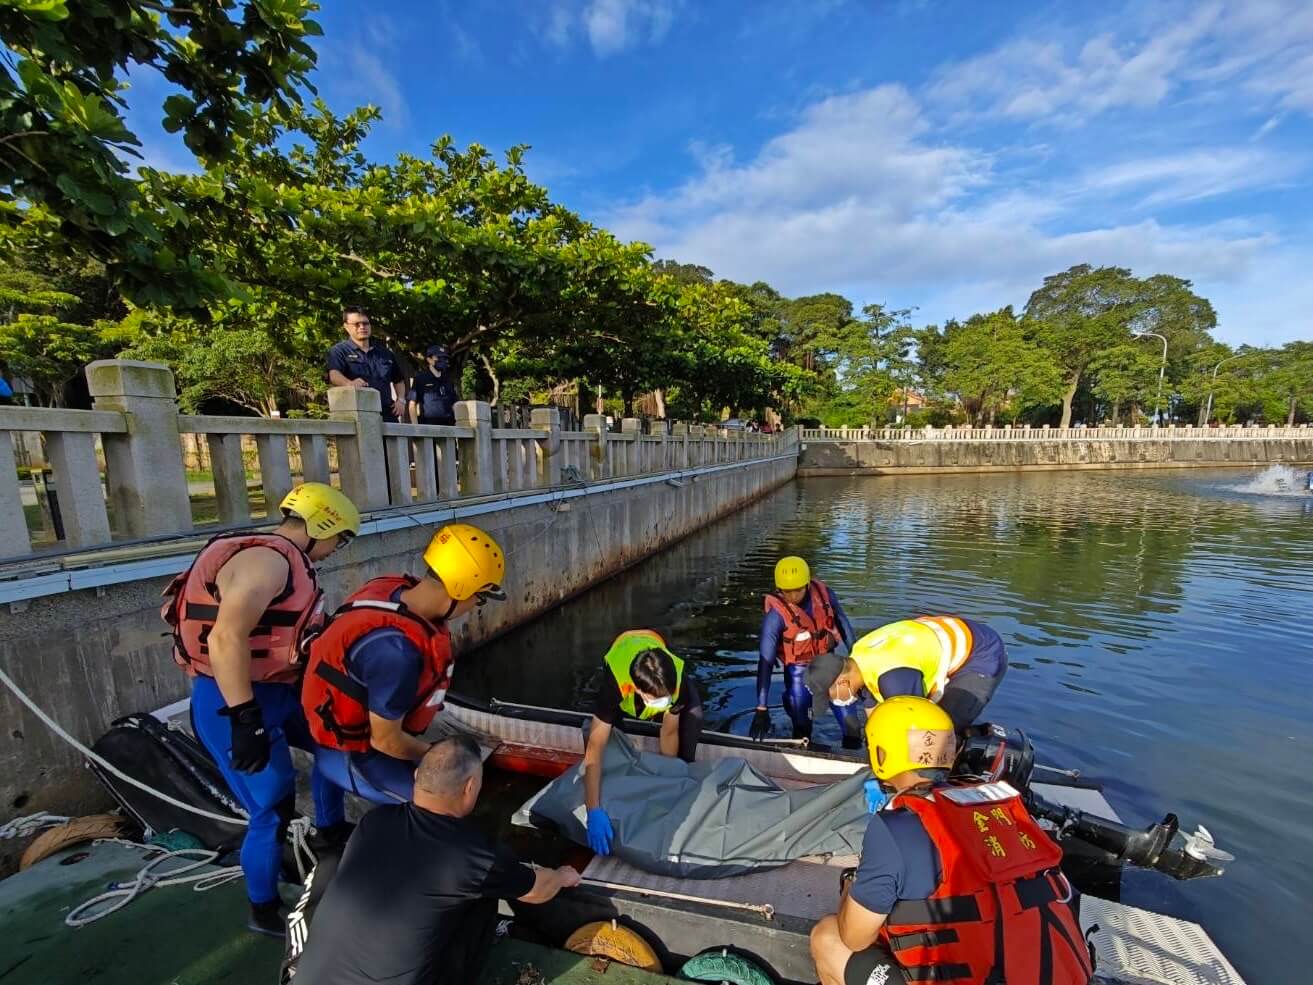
x,y
653,672
353,309
444,769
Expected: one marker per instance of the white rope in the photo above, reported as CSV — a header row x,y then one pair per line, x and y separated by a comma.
x,y
298,832
22,827
55,727
120,895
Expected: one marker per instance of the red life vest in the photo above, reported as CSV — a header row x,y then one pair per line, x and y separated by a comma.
x,y
191,606
805,637
336,705
1000,913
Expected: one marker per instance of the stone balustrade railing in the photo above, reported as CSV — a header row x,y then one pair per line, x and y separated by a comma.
x,y
1046,433
118,470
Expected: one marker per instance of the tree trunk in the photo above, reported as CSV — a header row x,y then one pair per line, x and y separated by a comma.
x,y
629,405
496,383
1116,411
1290,418
660,396
1067,398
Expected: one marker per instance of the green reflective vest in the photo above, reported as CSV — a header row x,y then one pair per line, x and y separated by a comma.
x,y
620,658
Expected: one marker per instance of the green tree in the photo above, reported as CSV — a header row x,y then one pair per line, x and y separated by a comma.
x,y
1080,313
1286,386
62,167
1125,375
991,365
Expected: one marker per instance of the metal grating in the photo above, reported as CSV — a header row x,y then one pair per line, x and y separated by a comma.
x,y
1137,947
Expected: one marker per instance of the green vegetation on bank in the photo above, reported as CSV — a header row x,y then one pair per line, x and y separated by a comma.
x,y
235,275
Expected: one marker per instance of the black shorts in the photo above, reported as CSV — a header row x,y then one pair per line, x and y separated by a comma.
x,y
874,966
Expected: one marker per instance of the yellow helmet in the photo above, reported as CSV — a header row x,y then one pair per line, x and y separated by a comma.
x,y
467,561
326,511
906,733
792,573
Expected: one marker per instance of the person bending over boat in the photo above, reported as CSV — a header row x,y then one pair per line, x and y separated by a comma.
x,y
239,614
638,670
378,673
803,620
957,663
957,882
414,899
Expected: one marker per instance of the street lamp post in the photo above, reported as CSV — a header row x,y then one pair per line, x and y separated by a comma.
x,y
1208,410
1162,368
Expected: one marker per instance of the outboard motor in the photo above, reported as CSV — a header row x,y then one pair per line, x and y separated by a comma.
x,y
996,752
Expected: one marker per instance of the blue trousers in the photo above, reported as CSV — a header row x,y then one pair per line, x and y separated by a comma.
x,y
797,700
373,775
269,795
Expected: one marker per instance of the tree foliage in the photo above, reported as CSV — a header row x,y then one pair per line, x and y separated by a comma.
x,y
61,101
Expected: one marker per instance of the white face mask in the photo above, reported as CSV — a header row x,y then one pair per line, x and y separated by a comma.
x,y
657,704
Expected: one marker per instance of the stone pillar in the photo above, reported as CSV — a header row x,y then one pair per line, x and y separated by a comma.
x,y
657,429
477,473
147,483
77,483
229,469
361,461
596,424
548,421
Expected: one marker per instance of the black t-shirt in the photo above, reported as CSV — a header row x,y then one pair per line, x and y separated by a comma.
x,y
398,895
607,706
378,367
436,396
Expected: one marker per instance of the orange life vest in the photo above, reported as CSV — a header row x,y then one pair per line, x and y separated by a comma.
x,y
336,705
191,606
805,637
1000,913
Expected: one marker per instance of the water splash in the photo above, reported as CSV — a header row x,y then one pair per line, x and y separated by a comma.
x,y
1278,480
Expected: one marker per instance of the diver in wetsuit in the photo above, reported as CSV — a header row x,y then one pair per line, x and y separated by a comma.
x,y
803,620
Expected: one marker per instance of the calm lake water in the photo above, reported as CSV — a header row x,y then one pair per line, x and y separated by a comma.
x,y
1159,626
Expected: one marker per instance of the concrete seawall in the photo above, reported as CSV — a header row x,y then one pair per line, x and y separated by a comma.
x,y
89,656
827,457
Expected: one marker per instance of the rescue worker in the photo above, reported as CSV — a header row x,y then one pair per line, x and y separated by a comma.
x,y
803,620
379,671
955,662
239,615
956,883
638,670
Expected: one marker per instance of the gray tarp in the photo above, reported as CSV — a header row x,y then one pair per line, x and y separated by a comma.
x,y
704,820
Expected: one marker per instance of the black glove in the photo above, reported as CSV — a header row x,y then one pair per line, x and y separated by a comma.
x,y
250,749
760,728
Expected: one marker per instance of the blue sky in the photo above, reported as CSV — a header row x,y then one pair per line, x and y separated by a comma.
x,y
942,155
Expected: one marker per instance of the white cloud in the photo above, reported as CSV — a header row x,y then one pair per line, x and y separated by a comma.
x,y
611,26
1062,76
1192,175
360,70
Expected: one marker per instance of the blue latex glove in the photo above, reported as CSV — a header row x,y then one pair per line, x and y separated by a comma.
x,y
600,832
875,797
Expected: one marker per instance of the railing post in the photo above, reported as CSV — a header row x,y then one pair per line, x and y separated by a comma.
x,y
548,421
77,480
361,461
147,482
596,423
14,538
477,476
633,427
275,470
229,469
679,435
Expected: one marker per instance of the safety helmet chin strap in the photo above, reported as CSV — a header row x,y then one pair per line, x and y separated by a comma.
x,y
450,609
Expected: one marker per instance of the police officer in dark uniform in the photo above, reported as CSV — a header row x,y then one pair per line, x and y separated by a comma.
x,y
356,362
433,394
